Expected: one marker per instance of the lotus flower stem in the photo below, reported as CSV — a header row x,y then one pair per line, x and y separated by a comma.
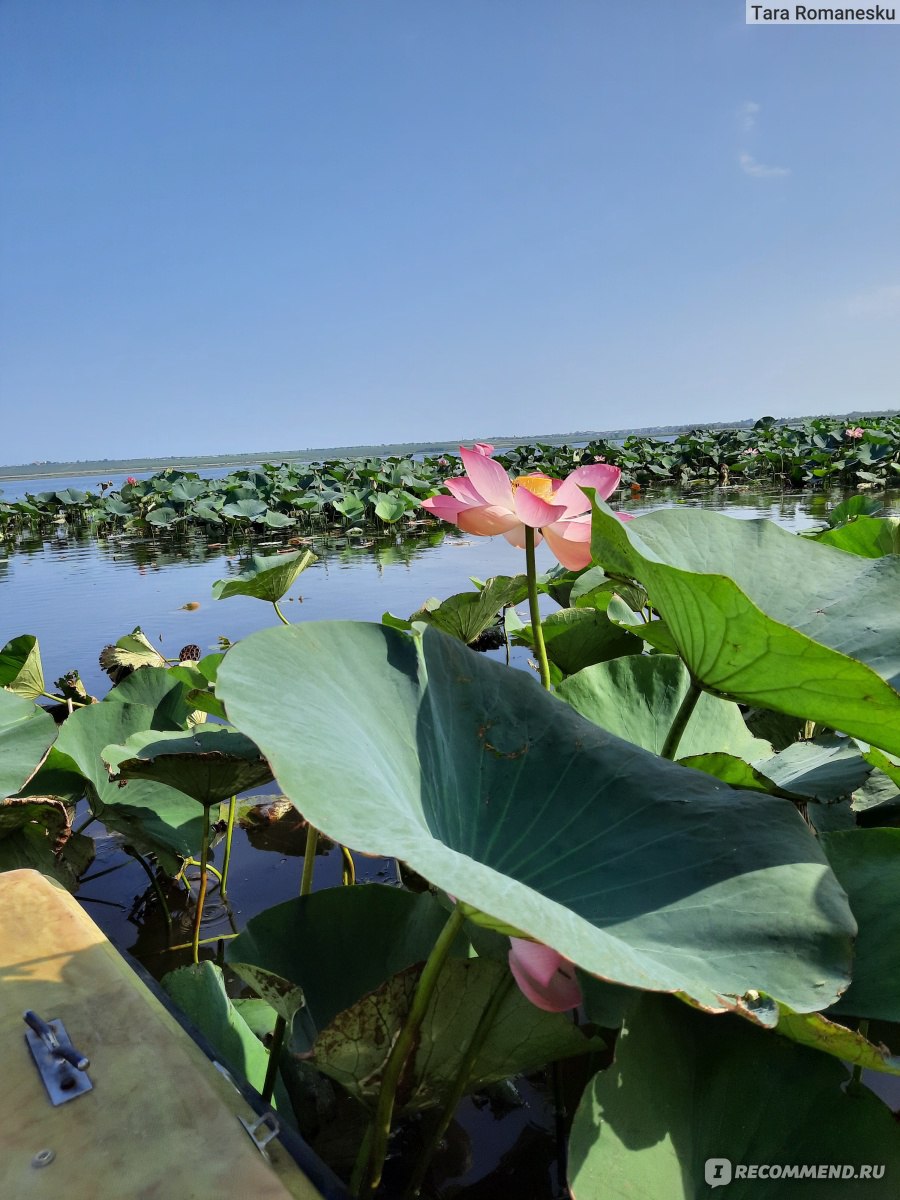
x,y
309,859
226,858
534,610
201,895
403,1047
306,881
192,862
685,709
348,867
274,1054
281,615
482,1029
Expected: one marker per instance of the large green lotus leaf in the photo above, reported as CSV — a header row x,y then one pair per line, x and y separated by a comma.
x,y
686,1088
867,864
185,490
199,991
323,952
354,1048
391,507
468,614
161,691
869,537
277,520
637,870
57,778
37,833
26,734
244,510
267,578
21,671
823,769
820,648
637,698
208,763
164,516
154,818
576,638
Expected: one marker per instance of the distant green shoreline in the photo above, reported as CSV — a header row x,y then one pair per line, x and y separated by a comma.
x,y
201,462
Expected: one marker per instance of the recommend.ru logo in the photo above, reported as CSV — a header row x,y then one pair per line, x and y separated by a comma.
x,y
720,1171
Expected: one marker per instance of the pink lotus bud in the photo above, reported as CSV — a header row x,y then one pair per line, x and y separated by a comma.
x,y
544,976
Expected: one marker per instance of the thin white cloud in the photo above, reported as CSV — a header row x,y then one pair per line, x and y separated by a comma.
x,y
747,114
879,302
759,170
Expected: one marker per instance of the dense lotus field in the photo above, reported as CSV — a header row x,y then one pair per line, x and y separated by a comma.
x,y
664,866
380,493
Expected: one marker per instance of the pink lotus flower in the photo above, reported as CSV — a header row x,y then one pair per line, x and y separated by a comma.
x,y
486,501
854,433
752,453
131,479
544,976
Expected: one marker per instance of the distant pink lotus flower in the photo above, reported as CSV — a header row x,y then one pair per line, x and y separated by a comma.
x,y
485,501
544,976
854,433
752,453
131,479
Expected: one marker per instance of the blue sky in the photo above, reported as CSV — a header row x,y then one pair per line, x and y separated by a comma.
x,y
273,224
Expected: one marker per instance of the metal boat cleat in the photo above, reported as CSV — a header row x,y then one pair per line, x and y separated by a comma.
x,y
61,1067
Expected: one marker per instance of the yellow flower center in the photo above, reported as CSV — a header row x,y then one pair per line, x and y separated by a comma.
x,y
539,485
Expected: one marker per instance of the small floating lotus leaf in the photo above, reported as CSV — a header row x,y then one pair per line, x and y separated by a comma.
x,y
21,671
630,866
267,578
208,763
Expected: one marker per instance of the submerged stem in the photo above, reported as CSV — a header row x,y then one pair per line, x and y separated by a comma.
x,y
482,1029
406,1040
685,709
226,858
534,610
201,895
154,883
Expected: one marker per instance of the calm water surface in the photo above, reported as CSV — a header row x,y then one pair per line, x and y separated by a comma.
x,y
77,593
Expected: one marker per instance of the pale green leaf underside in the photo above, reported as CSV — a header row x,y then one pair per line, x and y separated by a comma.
x,y
636,869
